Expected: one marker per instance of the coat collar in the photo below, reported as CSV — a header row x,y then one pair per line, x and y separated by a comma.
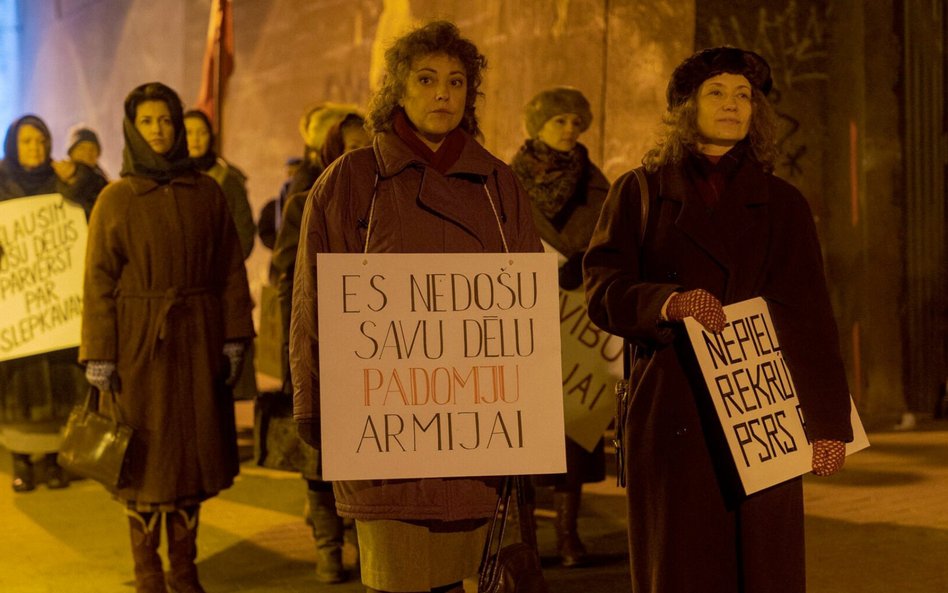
x,y
143,185
717,233
393,155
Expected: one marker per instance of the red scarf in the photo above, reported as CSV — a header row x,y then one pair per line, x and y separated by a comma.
x,y
442,159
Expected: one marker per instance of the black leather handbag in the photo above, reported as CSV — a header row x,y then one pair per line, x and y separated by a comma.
x,y
95,445
514,568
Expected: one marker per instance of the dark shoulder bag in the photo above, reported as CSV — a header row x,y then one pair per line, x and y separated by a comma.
x,y
623,388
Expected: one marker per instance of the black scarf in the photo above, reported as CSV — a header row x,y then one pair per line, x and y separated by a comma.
x,y
29,182
138,158
556,181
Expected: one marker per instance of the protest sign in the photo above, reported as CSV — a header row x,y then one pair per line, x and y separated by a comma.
x,y
592,363
755,398
43,239
439,365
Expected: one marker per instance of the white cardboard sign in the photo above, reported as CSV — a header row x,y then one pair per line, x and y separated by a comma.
x,y
592,363
439,365
755,398
43,242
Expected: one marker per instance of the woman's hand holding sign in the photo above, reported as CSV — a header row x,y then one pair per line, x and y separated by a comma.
x,y
700,304
828,457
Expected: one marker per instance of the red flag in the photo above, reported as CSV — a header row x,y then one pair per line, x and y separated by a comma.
x,y
218,61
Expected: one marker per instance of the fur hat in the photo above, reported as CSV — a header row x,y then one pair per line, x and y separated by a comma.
x,y
552,102
80,133
326,114
706,63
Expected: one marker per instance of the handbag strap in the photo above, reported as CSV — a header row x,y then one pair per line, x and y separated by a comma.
x,y
498,527
623,388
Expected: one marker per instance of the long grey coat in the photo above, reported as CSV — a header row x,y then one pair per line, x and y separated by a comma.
x,y
165,287
690,528
417,210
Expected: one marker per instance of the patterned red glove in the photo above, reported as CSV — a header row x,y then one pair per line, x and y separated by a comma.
x,y
828,457
700,304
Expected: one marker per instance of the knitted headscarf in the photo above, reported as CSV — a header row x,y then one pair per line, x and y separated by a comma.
x,y
39,180
209,158
139,158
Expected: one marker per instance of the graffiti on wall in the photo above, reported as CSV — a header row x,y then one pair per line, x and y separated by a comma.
x,y
793,38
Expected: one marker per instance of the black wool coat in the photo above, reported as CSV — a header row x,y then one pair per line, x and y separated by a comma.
x,y
690,526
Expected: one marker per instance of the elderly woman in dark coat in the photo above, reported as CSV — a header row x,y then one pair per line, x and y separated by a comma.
x,y
566,194
167,314
431,188
37,392
720,229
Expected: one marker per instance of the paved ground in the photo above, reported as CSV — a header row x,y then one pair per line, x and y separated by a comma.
x,y
879,527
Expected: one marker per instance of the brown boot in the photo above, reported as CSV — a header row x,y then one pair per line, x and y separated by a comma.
x,y
328,535
182,550
145,530
571,550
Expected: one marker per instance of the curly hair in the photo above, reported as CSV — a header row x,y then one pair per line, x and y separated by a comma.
x,y
437,37
680,135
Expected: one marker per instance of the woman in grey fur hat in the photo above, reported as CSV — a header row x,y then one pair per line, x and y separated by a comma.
x,y
720,228
566,194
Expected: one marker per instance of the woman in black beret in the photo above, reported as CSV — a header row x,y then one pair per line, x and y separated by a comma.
x,y
720,229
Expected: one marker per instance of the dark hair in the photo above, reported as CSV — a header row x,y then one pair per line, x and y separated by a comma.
x,y
155,91
437,37
10,148
680,135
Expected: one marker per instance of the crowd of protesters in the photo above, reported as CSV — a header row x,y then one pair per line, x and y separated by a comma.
x,y
167,328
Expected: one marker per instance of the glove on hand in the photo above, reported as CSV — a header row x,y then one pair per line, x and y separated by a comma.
x,y
234,351
99,374
700,304
571,272
828,457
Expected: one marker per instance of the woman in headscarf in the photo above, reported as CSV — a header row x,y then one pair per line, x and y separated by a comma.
x,y
37,392
566,194
232,180
434,190
720,229
165,323
233,183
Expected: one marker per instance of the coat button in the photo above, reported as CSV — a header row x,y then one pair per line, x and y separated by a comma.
x,y
672,275
681,432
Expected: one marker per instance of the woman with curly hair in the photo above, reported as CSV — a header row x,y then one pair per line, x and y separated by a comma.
x,y
425,186
720,228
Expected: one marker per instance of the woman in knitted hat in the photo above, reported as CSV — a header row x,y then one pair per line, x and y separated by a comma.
x,y
566,194
720,228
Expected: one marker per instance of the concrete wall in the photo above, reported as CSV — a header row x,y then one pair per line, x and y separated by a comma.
x,y
81,57
836,97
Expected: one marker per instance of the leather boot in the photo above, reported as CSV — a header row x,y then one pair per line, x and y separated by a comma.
x,y
145,530
56,476
570,548
182,527
24,478
328,534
